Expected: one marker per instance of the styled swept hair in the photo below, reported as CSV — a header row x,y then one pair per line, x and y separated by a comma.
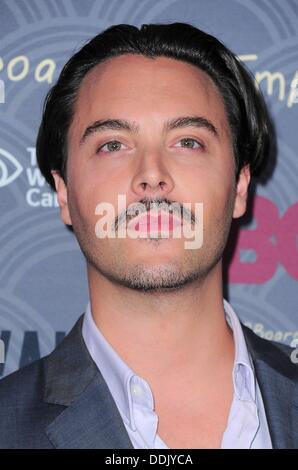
x,y
247,114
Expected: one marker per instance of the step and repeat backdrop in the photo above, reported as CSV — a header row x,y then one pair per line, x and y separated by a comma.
x,y
43,286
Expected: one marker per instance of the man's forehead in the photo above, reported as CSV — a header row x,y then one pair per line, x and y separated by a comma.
x,y
121,81
120,72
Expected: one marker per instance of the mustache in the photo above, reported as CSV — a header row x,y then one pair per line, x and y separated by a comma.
x,y
147,204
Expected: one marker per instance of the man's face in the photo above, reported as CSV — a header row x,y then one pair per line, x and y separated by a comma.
x,y
184,164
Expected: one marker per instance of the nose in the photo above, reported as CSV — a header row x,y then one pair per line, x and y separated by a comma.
x,y
152,178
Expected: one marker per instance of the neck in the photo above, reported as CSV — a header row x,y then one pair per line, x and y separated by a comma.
x,y
156,333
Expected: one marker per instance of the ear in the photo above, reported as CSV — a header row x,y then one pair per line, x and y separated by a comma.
x,y
241,192
62,197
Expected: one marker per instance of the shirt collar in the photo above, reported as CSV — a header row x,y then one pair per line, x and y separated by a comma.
x,y
116,373
120,378
243,370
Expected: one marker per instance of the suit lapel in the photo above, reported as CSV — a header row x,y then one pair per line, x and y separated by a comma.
x,y
282,414
92,421
91,418
277,379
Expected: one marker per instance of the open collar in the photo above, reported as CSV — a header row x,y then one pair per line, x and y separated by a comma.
x,y
90,418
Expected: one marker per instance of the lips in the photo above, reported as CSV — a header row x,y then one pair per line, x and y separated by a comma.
x,y
153,221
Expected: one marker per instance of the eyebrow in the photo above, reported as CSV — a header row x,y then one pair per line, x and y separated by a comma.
x,y
133,127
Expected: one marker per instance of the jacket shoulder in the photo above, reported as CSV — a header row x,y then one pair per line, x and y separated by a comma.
x,y
21,386
23,413
26,404
279,356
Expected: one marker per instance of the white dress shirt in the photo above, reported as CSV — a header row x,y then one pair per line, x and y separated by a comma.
x,y
247,426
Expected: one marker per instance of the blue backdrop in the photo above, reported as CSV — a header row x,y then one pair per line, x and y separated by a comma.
x,y
43,287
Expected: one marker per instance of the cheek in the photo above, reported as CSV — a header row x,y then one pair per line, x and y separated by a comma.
x,y
96,179
90,198
83,196
218,209
85,186
216,189
209,184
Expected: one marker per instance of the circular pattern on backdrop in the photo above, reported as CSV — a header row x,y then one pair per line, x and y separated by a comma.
x,y
43,280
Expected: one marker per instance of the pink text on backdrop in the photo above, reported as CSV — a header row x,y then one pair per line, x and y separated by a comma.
x,y
274,241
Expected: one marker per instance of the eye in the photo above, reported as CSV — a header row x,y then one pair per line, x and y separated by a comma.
x,y
111,146
188,142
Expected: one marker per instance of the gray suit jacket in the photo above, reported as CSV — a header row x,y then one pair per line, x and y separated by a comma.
x,y
62,401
